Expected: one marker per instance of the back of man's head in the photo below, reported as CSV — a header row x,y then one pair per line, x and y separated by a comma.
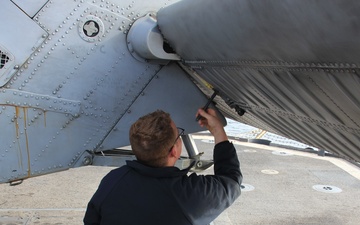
x,y
151,137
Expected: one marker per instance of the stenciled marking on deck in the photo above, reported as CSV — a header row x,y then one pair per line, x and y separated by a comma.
x,y
250,150
209,141
270,172
327,188
282,153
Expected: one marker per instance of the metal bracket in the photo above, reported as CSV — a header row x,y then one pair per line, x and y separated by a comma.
x,y
118,157
146,42
190,146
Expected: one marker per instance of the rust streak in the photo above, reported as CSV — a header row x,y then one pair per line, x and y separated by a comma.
x,y
27,141
16,121
45,118
20,157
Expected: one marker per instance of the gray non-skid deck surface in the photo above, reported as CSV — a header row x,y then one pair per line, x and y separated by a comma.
x,y
283,191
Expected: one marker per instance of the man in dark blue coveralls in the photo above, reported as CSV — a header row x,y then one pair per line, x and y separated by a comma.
x,y
152,191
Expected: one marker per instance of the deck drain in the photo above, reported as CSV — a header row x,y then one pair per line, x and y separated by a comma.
x,y
247,187
282,153
249,150
327,188
271,172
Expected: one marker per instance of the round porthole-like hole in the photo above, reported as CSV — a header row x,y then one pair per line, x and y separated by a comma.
x,y
91,28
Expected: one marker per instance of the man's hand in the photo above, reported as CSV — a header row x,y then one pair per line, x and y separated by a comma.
x,y
211,121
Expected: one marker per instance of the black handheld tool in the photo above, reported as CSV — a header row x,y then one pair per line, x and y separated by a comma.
x,y
207,104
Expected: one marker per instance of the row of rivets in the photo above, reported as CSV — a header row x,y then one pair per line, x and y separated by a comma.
x,y
128,94
36,101
23,132
60,86
59,40
333,101
56,89
277,66
305,119
134,95
42,61
327,65
82,59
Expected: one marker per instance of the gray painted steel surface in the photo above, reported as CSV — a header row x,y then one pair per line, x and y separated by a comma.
x,y
72,79
30,7
77,87
292,65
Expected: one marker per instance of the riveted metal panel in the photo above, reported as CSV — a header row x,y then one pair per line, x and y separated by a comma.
x,y
179,97
30,7
74,88
18,44
287,64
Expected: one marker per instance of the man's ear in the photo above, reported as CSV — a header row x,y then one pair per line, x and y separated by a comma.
x,y
173,152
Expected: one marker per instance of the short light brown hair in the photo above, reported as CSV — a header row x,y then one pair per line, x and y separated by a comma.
x,y
151,137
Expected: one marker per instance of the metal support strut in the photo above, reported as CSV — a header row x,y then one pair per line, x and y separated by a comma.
x,y
190,146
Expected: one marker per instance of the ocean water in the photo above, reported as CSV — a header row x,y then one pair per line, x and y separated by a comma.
x,y
240,130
